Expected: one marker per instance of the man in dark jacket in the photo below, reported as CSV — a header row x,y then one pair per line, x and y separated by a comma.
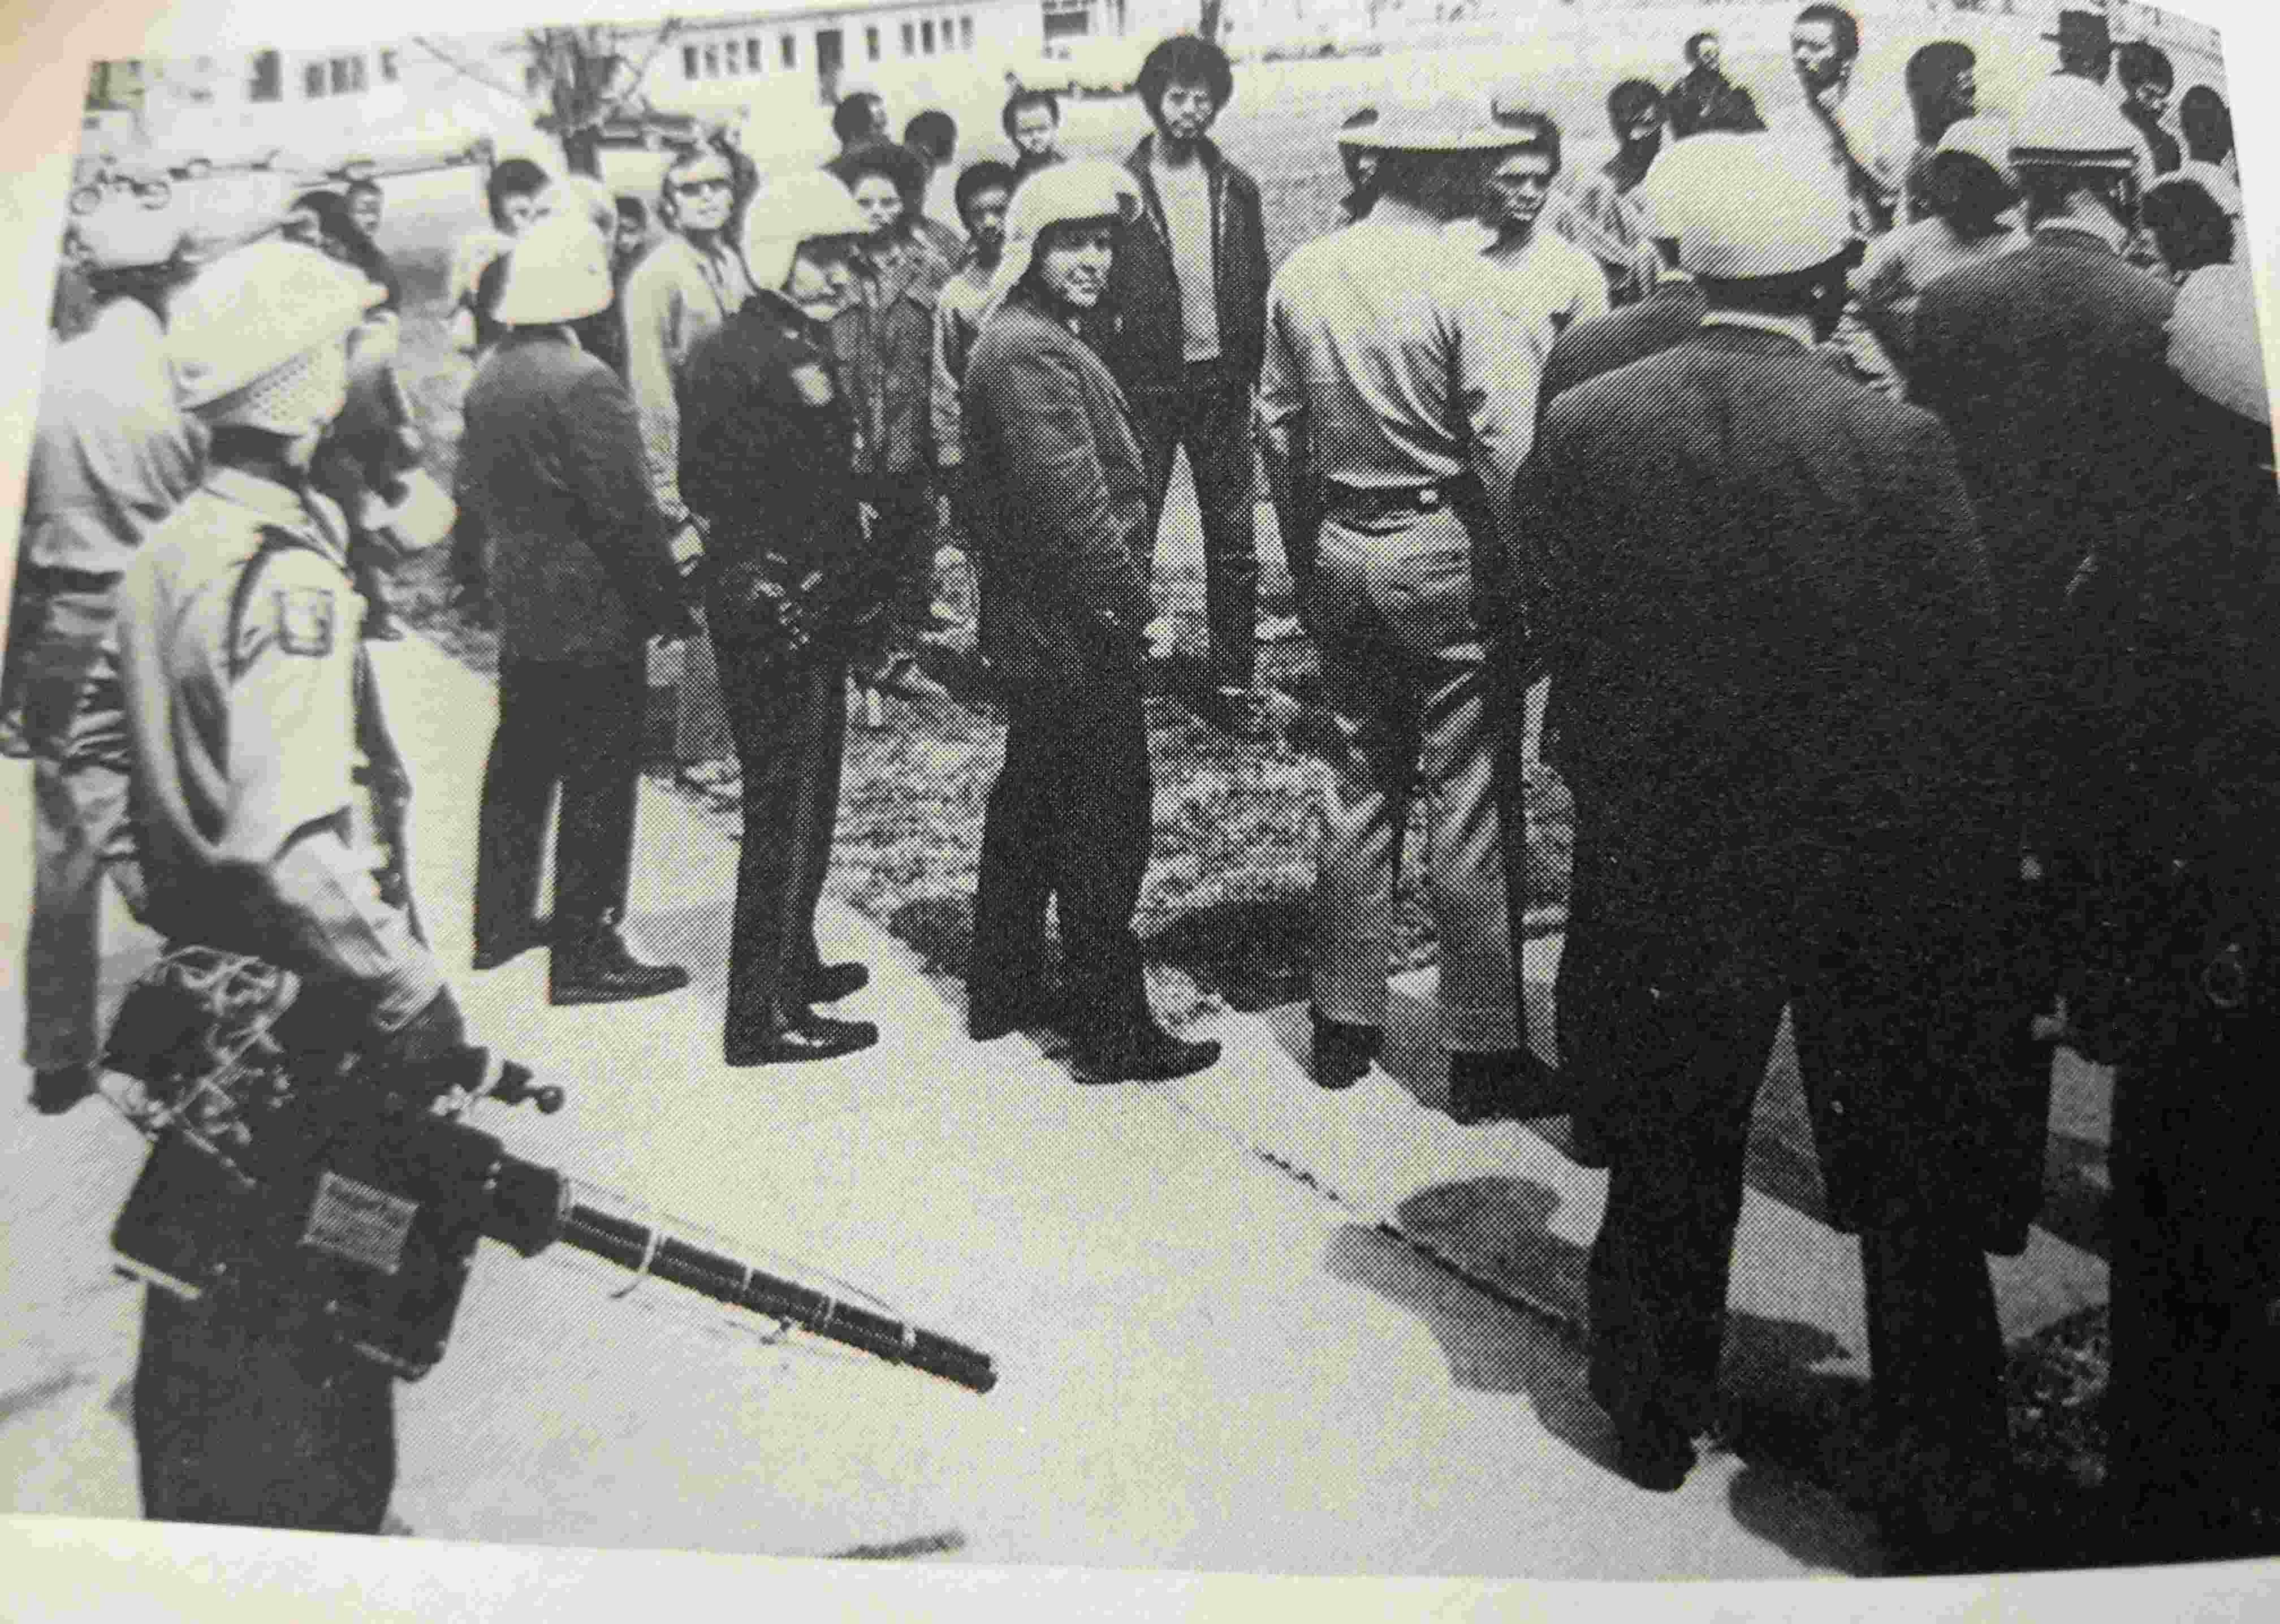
x,y
1779,640
1704,98
551,471
2147,81
1061,533
1186,309
2041,363
767,432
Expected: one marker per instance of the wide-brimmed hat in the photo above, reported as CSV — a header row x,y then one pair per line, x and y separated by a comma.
x,y
2070,123
2085,30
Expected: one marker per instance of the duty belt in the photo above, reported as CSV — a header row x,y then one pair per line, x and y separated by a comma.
x,y
1383,501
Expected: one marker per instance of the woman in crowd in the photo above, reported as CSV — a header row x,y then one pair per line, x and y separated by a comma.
x,y
684,287
885,345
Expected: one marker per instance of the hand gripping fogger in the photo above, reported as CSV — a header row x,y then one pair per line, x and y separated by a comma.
x,y
286,1173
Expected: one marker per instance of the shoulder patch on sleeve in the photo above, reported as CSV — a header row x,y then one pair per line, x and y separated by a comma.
x,y
305,620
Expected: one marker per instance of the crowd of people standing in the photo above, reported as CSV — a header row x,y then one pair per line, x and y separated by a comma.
x,y
1898,554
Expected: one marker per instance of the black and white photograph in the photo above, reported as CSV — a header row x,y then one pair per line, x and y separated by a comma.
x,y
1475,791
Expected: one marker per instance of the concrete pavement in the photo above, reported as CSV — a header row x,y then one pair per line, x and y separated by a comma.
x,y
1206,1362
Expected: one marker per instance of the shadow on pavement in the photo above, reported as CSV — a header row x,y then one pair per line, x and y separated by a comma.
x,y
1491,1349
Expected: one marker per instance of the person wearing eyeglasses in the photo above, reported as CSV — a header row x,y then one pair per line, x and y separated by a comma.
x,y
686,287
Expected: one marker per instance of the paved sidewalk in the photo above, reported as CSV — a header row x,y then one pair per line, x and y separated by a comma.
x,y
1207,1363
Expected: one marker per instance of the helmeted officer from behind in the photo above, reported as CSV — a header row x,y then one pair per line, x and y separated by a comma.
x,y
791,591
268,805
1398,392
1778,646
1061,528
551,469
111,456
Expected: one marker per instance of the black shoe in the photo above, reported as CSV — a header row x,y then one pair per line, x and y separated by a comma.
x,y
1651,1449
1343,1051
989,1016
804,1035
1237,710
57,1089
829,983
1144,1053
596,968
1498,1084
491,955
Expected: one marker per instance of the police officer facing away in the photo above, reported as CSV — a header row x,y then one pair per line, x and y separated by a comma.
x,y
267,803
1778,644
112,457
1062,528
768,465
1399,389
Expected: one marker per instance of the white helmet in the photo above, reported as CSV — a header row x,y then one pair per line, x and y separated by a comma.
x,y
2213,341
1083,188
796,209
1675,181
1761,205
127,237
559,272
257,310
2067,123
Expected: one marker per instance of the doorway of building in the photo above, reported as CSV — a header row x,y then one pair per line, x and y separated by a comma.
x,y
830,63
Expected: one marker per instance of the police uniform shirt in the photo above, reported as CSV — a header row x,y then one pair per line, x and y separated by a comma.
x,y
1400,350
112,455
260,768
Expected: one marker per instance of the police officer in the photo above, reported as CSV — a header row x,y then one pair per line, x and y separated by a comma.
x,y
1062,535
2178,619
2041,362
267,803
1776,640
112,457
766,438
1398,391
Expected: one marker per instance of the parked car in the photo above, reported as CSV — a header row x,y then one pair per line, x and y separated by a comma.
x,y
1084,68
650,128
429,138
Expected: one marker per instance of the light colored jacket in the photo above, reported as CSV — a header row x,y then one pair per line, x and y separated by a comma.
x,y
675,296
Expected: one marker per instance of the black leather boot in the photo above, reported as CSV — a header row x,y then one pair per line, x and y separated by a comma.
x,y
1343,1053
787,1036
1141,1051
591,965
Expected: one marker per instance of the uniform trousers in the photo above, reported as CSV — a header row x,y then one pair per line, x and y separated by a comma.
x,y
577,726
1210,414
2193,1407
1693,1058
1069,821
901,544
274,1426
790,718
60,641
1404,668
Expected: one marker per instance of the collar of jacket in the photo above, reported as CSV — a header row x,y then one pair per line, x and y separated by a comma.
x,y
1142,165
2058,234
278,506
1732,333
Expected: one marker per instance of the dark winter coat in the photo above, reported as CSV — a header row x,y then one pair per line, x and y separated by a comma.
x,y
1143,340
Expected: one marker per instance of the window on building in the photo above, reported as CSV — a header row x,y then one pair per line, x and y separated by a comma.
x,y
870,44
689,61
755,57
790,42
926,34
388,67
732,56
711,62
268,78
910,39
966,34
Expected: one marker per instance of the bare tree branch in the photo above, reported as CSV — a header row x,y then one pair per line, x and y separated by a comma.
x,y
665,34
477,75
